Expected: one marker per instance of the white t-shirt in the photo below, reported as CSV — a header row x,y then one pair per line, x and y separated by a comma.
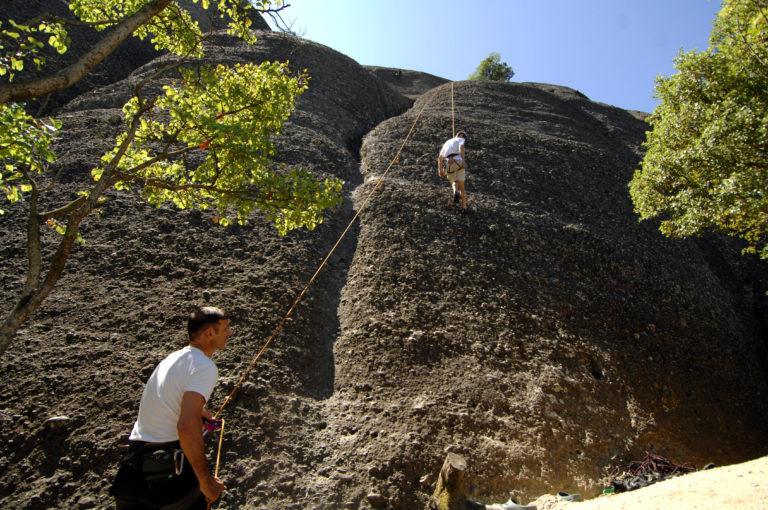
x,y
188,369
452,146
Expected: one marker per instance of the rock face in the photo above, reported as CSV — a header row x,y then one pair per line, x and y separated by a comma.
x,y
546,337
127,57
411,84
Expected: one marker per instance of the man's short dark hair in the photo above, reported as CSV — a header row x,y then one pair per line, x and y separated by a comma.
x,y
203,316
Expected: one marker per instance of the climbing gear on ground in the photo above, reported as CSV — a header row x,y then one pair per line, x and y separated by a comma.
x,y
511,504
564,496
652,469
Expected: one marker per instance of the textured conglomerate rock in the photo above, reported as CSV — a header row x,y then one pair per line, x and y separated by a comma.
x,y
544,337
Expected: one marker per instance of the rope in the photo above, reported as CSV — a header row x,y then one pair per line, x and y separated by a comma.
x,y
311,280
453,123
322,264
218,454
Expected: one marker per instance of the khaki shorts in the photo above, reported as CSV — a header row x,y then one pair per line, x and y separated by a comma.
x,y
456,162
459,175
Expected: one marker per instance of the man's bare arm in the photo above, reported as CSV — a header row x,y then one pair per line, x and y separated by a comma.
x,y
190,427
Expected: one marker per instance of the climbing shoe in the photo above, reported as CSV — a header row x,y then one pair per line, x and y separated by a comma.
x,y
564,496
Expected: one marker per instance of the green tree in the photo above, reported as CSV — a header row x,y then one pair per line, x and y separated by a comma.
x,y
492,69
226,114
706,165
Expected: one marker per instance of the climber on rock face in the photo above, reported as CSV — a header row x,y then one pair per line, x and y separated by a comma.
x,y
452,162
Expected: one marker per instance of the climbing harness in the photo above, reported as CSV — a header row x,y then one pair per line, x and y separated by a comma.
x,y
452,165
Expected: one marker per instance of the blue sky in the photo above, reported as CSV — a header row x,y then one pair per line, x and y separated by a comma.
x,y
610,50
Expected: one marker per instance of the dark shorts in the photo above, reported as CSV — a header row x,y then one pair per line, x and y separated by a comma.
x,y
147,479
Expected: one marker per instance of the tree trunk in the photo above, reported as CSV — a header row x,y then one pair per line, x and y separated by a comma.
x,y
451,490
25,306
33,295
37,289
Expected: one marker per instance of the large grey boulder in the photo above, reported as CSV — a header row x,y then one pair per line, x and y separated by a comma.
x,y
130,55
546,337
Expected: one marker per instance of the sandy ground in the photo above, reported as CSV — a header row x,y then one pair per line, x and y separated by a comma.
x,y
740,486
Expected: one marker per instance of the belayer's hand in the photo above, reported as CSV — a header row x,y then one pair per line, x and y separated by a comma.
x,y
212,489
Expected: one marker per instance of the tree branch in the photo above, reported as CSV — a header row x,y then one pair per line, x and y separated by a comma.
x,y
746,42
64,210
47,16
244,194
21,91
34,254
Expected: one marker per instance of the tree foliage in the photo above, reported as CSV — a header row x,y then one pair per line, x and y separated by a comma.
x,y
224,115
706,165
492,69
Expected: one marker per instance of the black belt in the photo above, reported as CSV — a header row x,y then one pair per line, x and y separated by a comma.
x,y
145,445
156,460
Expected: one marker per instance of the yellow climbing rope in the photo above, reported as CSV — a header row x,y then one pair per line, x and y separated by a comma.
x,y
453,123
218,453
322,264
395,159
304,291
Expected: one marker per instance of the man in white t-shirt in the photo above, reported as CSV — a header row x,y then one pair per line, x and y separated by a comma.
x,y
452,162
167,435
